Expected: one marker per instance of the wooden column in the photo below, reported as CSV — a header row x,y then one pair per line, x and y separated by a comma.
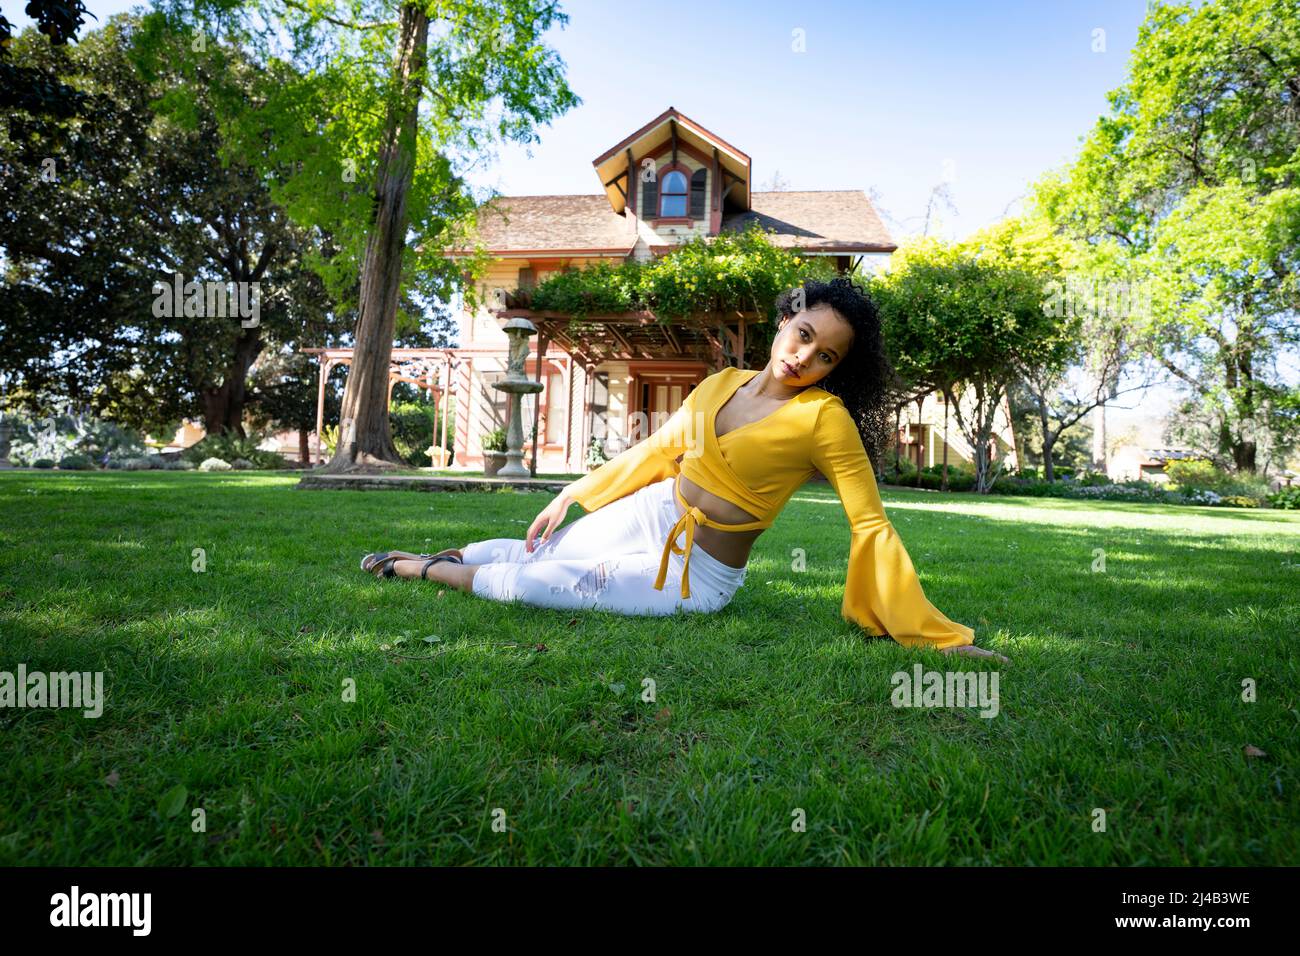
x,y
326,367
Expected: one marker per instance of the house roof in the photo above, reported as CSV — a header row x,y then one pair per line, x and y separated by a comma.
x,y
838,220
817,221
575,225
1158,456
657,135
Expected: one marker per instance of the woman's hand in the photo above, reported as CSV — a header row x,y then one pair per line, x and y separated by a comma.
x,y
550,518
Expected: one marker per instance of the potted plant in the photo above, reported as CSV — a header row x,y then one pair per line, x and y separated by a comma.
x,y
494,451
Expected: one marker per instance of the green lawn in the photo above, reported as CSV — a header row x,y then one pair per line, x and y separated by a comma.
x,y
1124,691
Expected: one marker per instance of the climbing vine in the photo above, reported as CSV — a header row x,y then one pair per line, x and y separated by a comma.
x,y
734,271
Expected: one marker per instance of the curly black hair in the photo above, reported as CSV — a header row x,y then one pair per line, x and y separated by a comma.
x,y
863,376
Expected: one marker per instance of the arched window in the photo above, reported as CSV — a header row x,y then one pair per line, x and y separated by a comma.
x,y
673,194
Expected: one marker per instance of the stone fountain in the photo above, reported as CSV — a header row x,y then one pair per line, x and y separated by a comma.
x,y
517,383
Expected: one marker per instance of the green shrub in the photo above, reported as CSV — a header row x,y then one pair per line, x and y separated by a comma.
x,y
229,447
75,463
1189,475
596,453
1242,501
413,425
957,480
954,468
1125,491
1026,486
43,463
1192,477
1094,479
495,440
1287,499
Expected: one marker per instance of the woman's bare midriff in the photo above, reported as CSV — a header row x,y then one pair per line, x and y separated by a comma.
x,y
730,547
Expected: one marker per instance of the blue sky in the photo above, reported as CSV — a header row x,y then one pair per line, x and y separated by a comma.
x,y
891,97
885,96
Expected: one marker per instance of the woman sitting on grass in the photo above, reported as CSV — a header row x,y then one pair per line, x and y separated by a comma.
x,y
717,474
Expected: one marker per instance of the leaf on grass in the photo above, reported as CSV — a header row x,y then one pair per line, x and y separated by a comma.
x,y
113,779
433,639
540,648
173,801
663,715
1253,751
618,688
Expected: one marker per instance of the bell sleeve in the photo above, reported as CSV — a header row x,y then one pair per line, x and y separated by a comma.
x,y
882,592
650,460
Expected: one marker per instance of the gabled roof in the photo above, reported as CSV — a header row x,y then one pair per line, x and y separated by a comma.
x,y
571,225
651,139
816,221
838,220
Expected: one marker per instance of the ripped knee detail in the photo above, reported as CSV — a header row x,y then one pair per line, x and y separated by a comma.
x,y
593,583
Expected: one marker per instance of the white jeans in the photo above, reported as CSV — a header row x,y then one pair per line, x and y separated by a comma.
x,y
608,560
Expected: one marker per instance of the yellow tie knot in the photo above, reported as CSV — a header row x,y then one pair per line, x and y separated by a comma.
x,y
687,523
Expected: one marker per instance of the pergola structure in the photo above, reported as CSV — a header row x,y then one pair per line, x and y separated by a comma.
x,y
426,368
714,337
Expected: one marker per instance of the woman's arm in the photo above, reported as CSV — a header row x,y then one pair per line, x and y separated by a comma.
x,y
648,461
881,590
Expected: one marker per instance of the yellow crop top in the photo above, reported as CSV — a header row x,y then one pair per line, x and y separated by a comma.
x,y
757,467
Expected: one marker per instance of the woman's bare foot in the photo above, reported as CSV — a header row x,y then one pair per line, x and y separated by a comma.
x,y
970,650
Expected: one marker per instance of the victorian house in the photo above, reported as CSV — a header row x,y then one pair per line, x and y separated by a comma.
x,y
597,381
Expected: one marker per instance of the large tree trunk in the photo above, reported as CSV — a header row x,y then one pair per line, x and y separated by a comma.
x,y
223,406
920,445
947,403
1243,456
365,439
1049,440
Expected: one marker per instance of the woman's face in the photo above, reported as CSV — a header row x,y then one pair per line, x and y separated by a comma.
x,y
809,344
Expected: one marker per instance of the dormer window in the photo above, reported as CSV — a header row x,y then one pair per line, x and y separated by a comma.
x,y
673,195
677,195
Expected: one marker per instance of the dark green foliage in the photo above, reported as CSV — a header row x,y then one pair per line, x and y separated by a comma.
x,y
230,447
1288,499
413,426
